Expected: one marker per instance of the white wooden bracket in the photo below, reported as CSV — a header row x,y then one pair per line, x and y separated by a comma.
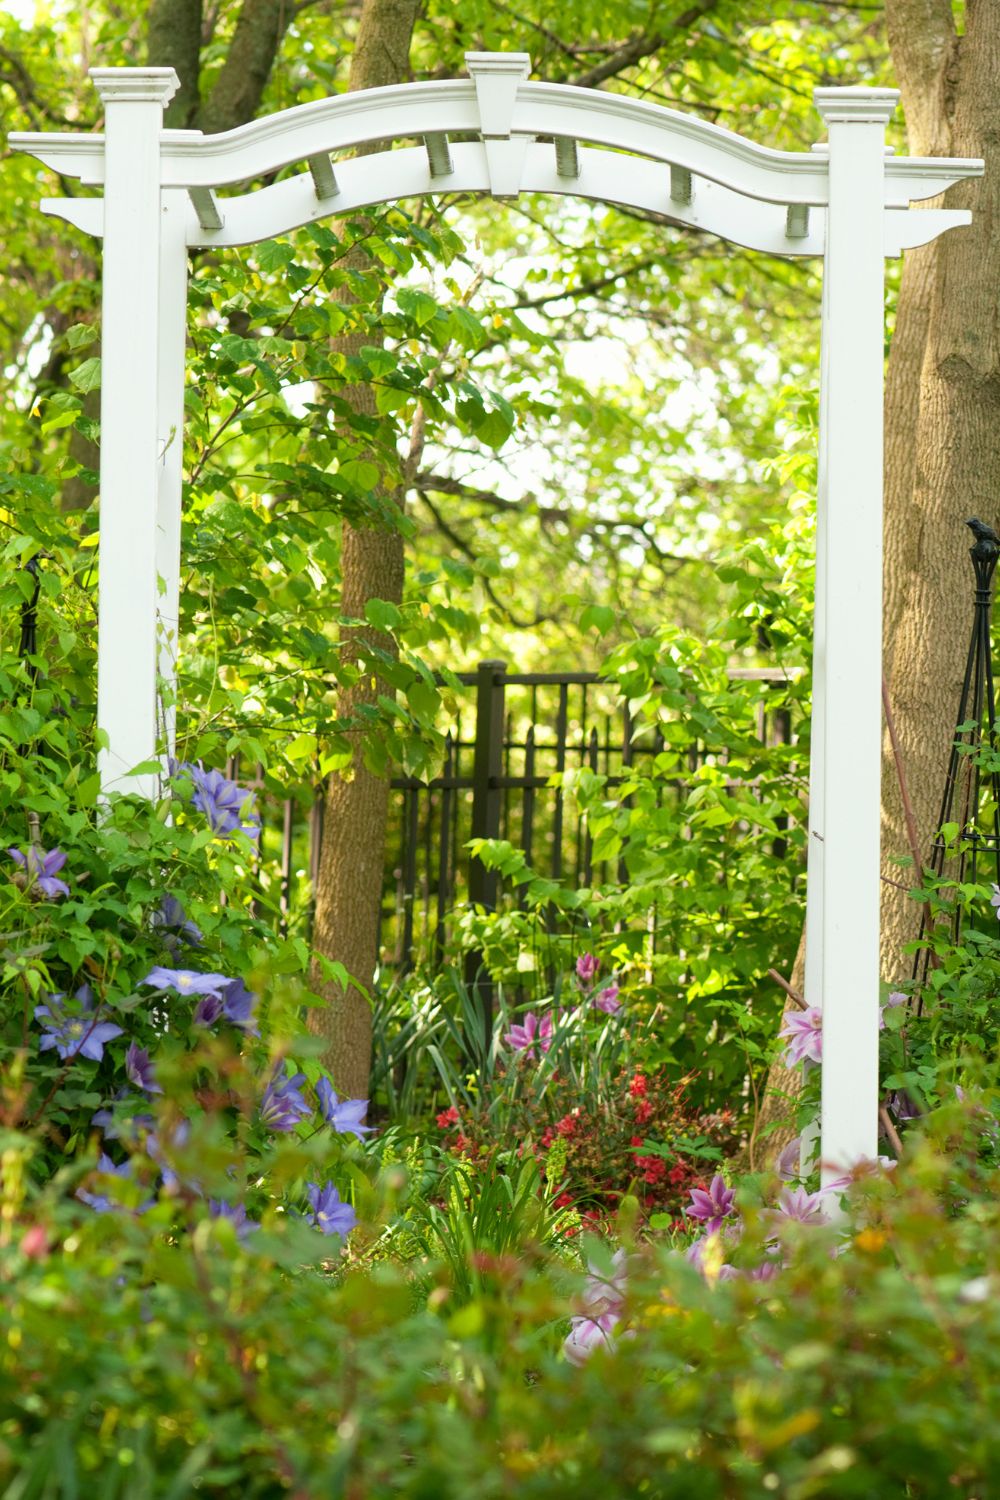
x,y
206,206
497,77
323,176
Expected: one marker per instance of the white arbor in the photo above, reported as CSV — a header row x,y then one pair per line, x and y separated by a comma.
x,y
847,201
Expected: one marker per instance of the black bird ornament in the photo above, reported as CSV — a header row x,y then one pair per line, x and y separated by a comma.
x,y
983,533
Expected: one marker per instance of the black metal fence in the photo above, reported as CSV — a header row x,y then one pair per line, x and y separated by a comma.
x,y
512,734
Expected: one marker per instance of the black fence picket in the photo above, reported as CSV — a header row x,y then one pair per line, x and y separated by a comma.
x,y
512,732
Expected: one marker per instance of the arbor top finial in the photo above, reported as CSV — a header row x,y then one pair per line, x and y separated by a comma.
x,y
856,105
135,85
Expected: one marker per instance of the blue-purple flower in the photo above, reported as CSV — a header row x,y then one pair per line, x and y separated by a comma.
x,y
100,1202
236,1214
172,920
139,1069
186,981
345,1115
713,1206
41,868
283,1106
208,1010
226,804
892,1000
74,1031
238,1005
330,1213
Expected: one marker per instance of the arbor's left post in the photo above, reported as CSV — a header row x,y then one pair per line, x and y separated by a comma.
x,y
134,100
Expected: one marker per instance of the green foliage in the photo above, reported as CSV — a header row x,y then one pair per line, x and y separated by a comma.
x,y
141,1365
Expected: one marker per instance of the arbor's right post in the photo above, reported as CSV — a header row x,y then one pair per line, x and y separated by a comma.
x,y
847,786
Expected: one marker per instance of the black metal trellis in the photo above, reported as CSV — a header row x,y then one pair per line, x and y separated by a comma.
x,y
975,854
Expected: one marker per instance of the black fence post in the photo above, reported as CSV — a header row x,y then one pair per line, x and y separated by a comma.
x,y
487,768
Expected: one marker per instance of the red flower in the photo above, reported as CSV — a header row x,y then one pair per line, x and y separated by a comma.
x,y
677,1174
563,1201
447,1118
547,1135
643,1110
567,1124
638,1086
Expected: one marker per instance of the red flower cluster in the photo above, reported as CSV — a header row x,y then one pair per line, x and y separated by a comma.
x,y
596,1150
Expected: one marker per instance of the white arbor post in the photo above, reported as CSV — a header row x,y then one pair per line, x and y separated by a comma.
x,y
847,774
134,100
172,339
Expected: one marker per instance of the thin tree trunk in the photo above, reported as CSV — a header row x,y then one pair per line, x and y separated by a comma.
x,y
349,883
943,424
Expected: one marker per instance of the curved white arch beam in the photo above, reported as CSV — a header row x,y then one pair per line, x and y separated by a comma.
x,y
191,159
604,176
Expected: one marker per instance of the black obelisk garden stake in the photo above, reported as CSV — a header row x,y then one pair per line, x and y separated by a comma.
x,y
971,796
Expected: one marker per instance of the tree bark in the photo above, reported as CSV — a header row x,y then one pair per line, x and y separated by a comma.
x,y
173,40
236,96
349,883
942,421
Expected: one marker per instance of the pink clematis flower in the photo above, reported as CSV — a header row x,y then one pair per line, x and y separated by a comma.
x,y
534,1032
803,1031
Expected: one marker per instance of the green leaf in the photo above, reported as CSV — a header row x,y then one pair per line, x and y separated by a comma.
x,y
382,614
87,377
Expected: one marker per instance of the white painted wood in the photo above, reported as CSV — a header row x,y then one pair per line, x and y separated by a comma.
x,y
567,157
324,178
681,185
438,156
171,342
206,206
497,76
797,221
633,182
849,568
127,606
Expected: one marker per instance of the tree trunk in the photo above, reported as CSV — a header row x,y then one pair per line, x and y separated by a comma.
x,y
349,883
942,421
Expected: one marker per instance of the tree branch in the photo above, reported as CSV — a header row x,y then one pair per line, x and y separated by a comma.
x,y
235,99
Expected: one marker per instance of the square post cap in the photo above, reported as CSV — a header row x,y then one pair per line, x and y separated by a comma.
x,y
856,105
135,85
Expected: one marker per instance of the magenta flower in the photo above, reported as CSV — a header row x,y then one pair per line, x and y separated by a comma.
x,y
523,1038
713,1207
586,968
805,1208
603,1302
139,1070
803,1031
186,981
345,1115
894,998
607,1000
329,1212
283,1106
74,1032
41,868
226,804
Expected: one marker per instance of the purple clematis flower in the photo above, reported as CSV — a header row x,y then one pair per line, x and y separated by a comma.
x,y
806,1208
236,1213
803,1031
995,899
345,1115
100,1202
713,1207
523,1038
186,981
139,1070
238,1005
604,1302
283,1106
224,802
588,1334
330,1213
586,968
172,921
894,998
41,868
208,1010
607,1000
76,1032
789,1162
